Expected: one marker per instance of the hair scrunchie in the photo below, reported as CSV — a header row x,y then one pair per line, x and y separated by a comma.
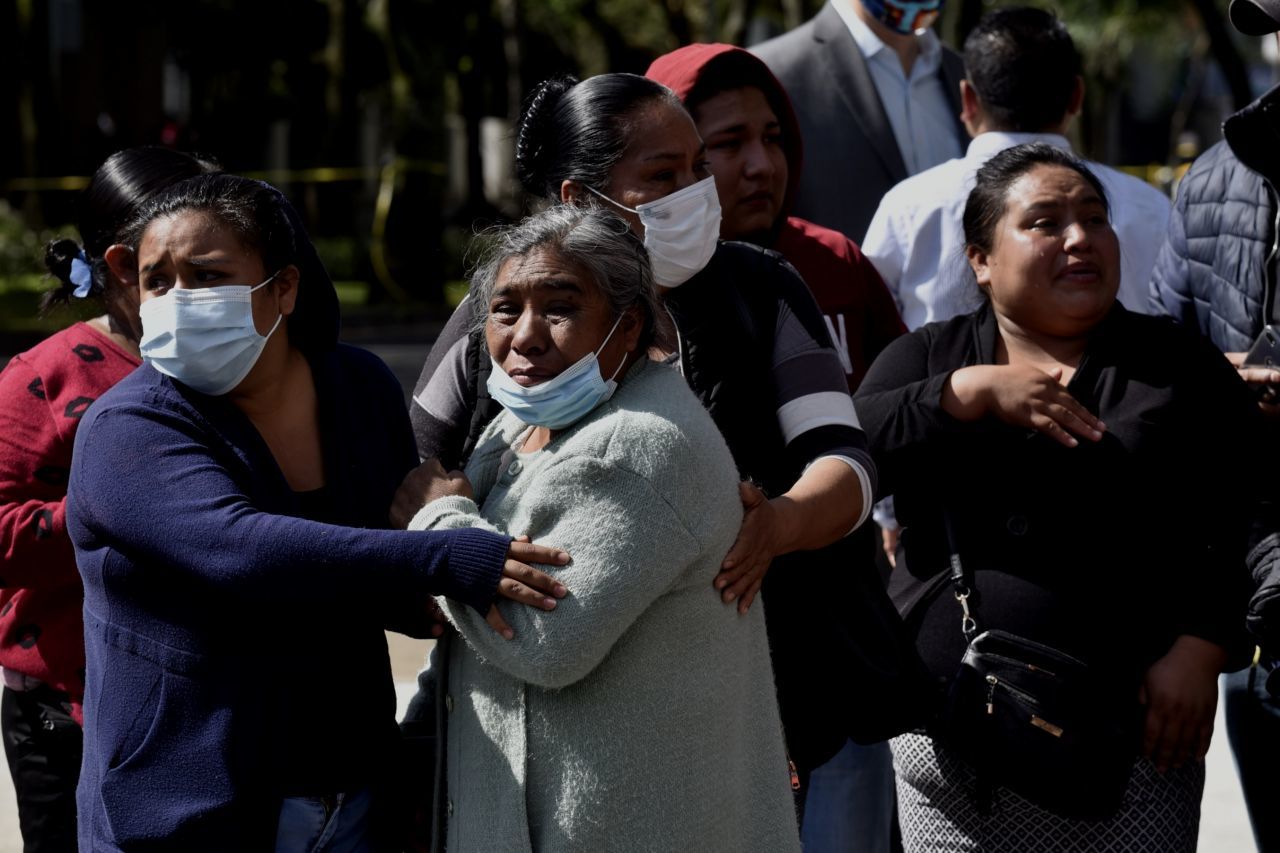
x,y
81,275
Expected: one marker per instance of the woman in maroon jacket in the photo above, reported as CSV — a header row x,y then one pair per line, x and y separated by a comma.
x,y
755,152
43,393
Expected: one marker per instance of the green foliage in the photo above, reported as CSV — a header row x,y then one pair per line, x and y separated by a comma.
x,y
21,248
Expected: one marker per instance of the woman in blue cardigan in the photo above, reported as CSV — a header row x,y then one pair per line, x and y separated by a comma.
x,y
228,505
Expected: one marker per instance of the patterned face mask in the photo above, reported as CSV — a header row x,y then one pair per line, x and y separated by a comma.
x,y
904,17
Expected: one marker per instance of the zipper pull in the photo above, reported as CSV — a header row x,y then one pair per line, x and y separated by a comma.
x,y
992,681
795,774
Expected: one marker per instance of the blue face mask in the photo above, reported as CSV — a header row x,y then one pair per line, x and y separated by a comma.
x,y
562,400
204,338
904,17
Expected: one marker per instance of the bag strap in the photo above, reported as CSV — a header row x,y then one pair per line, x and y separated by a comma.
x,y
960,580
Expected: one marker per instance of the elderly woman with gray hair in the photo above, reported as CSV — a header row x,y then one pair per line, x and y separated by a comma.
x,y
640,712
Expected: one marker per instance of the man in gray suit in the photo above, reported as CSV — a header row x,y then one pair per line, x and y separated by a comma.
x,y
878,98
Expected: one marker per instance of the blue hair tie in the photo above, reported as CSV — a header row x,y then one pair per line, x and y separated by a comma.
x,y
81,275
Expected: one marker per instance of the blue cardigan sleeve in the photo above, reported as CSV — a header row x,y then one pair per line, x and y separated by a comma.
x,y
146,485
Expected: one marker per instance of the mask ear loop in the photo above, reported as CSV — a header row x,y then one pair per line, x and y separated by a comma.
x,y
606,343
279,317
611,201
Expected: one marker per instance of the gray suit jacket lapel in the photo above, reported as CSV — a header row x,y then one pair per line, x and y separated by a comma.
x,y
848,72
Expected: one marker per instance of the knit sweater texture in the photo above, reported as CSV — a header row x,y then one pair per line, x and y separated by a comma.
x,y
640,713
43,394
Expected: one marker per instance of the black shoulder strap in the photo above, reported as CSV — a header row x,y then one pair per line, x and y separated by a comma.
x,y
959,579
483,407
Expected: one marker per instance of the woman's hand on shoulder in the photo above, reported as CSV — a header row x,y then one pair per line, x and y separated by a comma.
x,y
758,542
524,584
424,484
1180,691
1020,395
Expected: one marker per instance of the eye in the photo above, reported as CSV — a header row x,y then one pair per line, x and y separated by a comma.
x,y
503,309
773,139
208,276
155,283
1044,223
561,309
730,145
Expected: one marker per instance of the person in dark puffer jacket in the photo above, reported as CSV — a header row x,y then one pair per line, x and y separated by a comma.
x,y
1218,273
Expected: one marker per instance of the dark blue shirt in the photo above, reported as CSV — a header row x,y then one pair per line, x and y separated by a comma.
x,y
235,649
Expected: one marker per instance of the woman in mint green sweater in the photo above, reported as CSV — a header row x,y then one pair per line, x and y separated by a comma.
x,y
639,714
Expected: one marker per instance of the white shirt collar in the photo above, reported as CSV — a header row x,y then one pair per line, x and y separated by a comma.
x,y
984,146
869,44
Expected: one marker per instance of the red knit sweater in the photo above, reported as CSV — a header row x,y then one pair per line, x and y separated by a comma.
x,y
43,393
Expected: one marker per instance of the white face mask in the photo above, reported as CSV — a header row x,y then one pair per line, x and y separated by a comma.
x,y
680,230
204,338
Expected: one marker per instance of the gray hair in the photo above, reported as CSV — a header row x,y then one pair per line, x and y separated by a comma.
x,y
591,237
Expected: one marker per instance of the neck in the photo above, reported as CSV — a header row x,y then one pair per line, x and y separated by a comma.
x,y
1024,346
905,45
121,336
277,372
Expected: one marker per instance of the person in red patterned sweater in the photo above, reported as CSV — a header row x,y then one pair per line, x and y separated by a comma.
x,y
43,394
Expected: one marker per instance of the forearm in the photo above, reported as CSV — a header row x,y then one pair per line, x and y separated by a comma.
x,y
823,506
964,395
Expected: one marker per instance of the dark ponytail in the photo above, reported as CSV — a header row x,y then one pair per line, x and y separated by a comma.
x,y
115,192
579,130
58,256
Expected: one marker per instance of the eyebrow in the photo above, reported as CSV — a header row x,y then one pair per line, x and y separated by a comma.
x,y
548,283
672,155
1045,204
741,126
201,261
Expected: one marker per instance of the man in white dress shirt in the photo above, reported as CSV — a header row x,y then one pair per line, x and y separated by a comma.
x,y
1022,85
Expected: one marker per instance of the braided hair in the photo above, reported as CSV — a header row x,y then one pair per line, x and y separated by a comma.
x,y
579,130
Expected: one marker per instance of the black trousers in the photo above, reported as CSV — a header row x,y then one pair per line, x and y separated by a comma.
x,y
43,745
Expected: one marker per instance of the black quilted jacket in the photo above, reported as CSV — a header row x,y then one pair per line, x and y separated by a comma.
x,y
1214,273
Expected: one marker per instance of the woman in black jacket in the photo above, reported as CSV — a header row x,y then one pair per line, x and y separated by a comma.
x,y
1091,464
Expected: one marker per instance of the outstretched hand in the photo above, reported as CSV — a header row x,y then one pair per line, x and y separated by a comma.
x,y
744,567
522,583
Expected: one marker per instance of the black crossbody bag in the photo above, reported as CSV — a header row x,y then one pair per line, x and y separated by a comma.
x,y
1036,720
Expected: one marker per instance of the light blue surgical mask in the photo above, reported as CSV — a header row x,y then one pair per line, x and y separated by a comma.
x,y
204,338
562,400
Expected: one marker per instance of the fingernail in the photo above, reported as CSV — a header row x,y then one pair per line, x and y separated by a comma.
x,y
719,584
561,590
508,634
729,596
1101,425
1071,442
549,603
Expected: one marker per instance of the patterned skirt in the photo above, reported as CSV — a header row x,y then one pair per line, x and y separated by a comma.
x,y
936,806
